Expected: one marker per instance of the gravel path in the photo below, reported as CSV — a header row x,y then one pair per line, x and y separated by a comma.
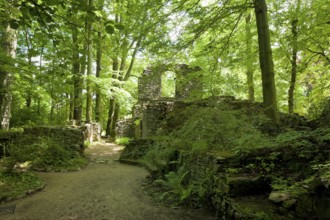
x,y
105,189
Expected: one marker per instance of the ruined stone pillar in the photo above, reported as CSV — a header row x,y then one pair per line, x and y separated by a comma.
x,y
149,85
189,83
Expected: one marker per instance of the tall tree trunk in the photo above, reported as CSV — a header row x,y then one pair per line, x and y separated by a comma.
x,y
71,107
79,100
112,101
8,41
52,95
29,57
249,60
89,69
77,77
130,68
293,66
119,74
266,61
294,30
52,110
98,103
108,131
114,119
39,81
115,75
114,106
98,75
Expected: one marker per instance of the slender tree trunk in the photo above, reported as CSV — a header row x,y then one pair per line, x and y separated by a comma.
x,y
114,118
52,106
71,106
77,77
293,66
266,61
130,68
39,106
79,99
108,131
112,101
114,106
29,57
249,58
98,75
89,70
52,109
52,96
39,81
294,30
8,41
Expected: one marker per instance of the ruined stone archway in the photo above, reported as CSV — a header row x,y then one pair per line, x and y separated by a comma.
x,y
188,82
168,84
153,107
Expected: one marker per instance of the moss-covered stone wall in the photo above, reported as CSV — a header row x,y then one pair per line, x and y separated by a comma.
x,y
279,183
70,138
151,108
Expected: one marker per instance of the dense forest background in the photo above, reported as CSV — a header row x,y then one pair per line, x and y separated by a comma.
x,y
79,60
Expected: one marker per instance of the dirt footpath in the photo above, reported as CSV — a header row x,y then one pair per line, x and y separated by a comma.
x,y
105,189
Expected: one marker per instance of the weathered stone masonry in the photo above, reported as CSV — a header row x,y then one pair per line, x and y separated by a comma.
x,y
152,108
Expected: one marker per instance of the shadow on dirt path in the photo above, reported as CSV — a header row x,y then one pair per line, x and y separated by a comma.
x,y
105,189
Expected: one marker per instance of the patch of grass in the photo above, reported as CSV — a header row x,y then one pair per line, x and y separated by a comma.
x,y
13,185
87,144
123,141
60,165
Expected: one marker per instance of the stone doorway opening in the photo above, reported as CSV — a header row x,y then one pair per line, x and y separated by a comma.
x,y
168,84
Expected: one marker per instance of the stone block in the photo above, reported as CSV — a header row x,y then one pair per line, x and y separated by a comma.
x,y
247,185
279,196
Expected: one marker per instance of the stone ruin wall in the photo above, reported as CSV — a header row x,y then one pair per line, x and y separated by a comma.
x,y
149,85
92,131
189,82
152,108
69,138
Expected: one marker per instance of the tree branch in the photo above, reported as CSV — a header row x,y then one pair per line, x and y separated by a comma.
x,y
322,53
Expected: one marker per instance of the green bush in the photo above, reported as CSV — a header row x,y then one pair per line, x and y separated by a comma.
x,y
159,157
55,157
212,129
174,190
123,140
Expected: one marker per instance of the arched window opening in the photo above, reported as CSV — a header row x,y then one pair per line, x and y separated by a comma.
x,y
168,84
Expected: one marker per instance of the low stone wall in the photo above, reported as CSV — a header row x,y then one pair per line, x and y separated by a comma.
x,y
6,138
70,138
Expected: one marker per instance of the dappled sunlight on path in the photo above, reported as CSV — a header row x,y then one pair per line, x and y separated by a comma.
x,y
101,151
105,189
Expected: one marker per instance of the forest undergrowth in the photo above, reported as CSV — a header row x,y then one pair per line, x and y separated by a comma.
x,y
33,153
290,155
